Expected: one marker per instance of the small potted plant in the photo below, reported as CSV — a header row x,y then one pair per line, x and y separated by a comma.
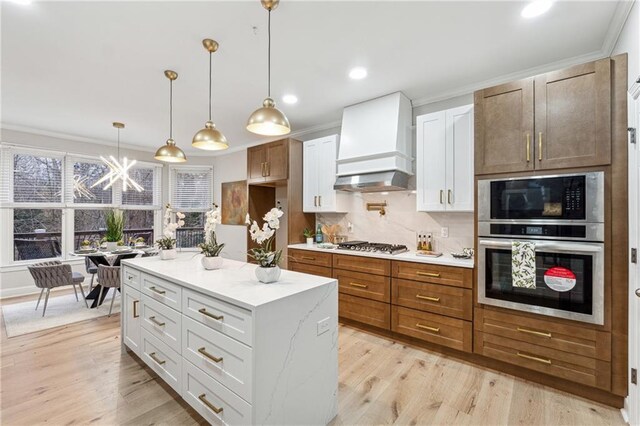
x,y
267,257
308,234
85,245
115,227
210,248
140,242
167,243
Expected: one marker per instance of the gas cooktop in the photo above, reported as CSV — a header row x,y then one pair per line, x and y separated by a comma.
x,y
373,247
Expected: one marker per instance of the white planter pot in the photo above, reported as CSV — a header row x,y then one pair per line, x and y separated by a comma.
x,y
210,263
310,242
168,254
268,275
111,246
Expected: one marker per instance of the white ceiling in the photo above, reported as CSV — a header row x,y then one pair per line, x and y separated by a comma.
x,y
74,67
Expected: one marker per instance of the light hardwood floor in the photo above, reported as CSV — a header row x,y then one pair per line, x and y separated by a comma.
x,y
76,374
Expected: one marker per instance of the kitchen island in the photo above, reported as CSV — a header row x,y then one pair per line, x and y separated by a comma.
x,y
238,351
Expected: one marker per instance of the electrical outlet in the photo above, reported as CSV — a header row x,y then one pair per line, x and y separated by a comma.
x,y
350,227
323,326
444,232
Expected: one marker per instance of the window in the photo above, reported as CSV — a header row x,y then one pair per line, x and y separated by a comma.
x,y
85,175
139,224
88,224
37,234
191,192
36,179
146,177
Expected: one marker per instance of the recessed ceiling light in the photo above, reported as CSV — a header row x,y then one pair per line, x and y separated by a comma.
x,y
22,2
536,8
290,99
358,73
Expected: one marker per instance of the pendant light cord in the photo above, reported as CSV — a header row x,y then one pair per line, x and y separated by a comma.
x,y
118,144
269,56
210,102
170,109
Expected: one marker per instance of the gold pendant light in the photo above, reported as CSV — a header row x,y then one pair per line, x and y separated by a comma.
x,y
210,138
170,153
269,120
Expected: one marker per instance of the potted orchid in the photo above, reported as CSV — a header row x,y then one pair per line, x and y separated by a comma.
x,y
167,243
267,257
210,248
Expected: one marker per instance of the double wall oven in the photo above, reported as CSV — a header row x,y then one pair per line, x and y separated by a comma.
x,y
561,217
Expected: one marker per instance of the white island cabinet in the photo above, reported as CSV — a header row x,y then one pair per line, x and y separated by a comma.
x,y
240,352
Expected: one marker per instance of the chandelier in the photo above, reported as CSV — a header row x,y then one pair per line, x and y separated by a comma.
x,y
118,171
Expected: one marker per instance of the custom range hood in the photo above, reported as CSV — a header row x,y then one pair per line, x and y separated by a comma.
x,y
375,146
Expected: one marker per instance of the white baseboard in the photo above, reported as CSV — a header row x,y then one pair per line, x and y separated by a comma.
x,y
6,293
624,412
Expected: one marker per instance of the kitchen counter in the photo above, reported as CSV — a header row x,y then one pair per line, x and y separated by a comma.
x,y
410,256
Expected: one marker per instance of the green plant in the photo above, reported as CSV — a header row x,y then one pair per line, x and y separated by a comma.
x,y
308,233
115,225
85,243
168,241
139,240
211,248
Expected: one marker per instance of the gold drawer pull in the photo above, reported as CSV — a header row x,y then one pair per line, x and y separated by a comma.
x,y
204,352
536,333
432,299
528,147
156,322
135,308
210,405
130,277
426,327
203,311
153,357
358,285
154,289
428,274
535,358
308,258
540,146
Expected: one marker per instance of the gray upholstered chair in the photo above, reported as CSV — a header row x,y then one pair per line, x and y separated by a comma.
x,y
92,269
48,275
109,277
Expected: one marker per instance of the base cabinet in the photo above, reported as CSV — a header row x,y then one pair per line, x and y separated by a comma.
x,y
131,310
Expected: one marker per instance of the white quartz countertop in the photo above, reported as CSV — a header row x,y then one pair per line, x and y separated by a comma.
x,y
410,256
235,282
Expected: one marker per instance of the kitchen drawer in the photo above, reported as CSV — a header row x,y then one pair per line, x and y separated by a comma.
x,y
439,299
566,365
306,268
545,332
131,277
438,329
368,265
363,310
221,357
214,402
162,291
310,257
162,322
374,287
436,274
162,359
224,317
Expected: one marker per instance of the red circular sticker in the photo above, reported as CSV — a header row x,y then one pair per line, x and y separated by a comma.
x,y
560,279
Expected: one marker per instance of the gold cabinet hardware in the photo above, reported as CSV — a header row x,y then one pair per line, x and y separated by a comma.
x,y
156,322
528,147
155,290
212,407
534,358
431,299
129,277
441,194
426,327
449,194
428,274
204,352
155,358
358,285
536,333
268,167
203,311
540,146
308,258
135,308
262,172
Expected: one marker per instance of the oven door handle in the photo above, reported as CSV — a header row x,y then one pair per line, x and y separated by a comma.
x,y
571,247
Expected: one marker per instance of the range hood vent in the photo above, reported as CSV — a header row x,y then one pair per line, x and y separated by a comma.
x,y
375,151
373,182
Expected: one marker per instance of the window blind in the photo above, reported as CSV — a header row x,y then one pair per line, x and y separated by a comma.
x,y
80,175
149,178
34,178
191,188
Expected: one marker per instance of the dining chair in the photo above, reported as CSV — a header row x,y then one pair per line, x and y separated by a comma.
x,y
48,275
109,277
92,269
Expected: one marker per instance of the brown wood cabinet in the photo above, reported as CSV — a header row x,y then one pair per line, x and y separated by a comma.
x,y
438,329
374,287
560,119
435,298
437,274
268,162
368,265
366,311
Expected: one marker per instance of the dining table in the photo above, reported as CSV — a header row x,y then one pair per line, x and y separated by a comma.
x,y
107,258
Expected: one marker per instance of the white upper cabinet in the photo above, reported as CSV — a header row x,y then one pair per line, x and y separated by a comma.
x,y
319,175
445,160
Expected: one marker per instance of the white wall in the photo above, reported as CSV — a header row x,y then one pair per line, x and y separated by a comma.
x,y
629,42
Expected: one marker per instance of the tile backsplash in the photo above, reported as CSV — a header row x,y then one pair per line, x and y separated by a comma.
x,y
401,222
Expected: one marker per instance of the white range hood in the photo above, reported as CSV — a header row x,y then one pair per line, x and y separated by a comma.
x,y
375,145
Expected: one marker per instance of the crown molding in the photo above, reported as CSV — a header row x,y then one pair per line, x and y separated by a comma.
x,y
620,16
